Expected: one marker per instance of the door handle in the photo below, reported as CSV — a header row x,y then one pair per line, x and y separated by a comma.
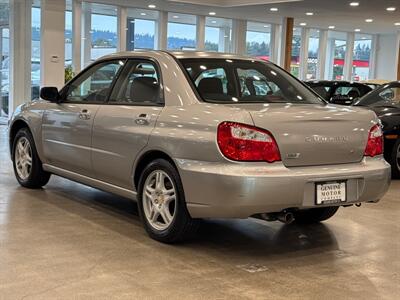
x,y
84,114
143,119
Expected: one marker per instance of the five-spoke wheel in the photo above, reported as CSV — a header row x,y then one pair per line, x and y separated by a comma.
x,y
162,204
159,200
27,165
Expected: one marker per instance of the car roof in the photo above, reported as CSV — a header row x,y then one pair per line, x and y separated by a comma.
x,y
180,55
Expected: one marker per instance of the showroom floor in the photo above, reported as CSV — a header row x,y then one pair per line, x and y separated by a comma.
x,y
69,241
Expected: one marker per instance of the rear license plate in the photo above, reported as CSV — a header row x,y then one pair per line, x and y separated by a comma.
x,y
330,192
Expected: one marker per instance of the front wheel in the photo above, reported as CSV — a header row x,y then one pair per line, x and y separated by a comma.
x,y
26,162
314,215
395,159
162,205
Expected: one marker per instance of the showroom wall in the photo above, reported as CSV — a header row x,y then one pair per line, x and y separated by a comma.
x,y
387,52
94,28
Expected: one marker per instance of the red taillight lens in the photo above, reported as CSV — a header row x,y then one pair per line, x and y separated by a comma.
x,y
375,142
242,142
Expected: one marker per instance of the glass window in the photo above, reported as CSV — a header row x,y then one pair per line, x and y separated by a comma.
x,y
68,38
361,57
391,95
218,35
312,59
336,53
4,60
139,84
141,33
94,85
99,31
258,40
296,46
245,81
35,54
387,95
181,32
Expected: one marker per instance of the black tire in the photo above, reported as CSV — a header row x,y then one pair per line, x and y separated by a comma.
x,y
314,215
37,176
182,225
395,160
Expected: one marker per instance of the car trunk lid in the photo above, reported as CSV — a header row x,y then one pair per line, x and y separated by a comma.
x,y
309,135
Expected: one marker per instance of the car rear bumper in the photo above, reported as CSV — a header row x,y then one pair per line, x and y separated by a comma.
x,y
239,190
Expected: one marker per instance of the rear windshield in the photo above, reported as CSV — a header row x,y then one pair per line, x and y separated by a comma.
x,y
242,81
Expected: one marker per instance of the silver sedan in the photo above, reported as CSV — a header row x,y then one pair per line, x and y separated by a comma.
x,y
200,135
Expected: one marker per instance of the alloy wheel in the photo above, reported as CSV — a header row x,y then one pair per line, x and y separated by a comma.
x,y
23,158
159,200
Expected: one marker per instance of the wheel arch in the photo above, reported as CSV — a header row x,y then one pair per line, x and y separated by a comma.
x,y
16,126
145,159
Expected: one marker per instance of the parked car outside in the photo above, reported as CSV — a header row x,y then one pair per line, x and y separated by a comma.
x,y
193,135
385,102
339,92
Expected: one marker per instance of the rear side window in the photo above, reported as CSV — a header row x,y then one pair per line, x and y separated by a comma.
x,y
139,84
245,81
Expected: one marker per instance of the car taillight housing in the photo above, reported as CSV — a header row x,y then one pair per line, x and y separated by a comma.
x,y
242,142
375,142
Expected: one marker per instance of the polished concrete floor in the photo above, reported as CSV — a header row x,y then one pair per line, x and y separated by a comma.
x,y
69,241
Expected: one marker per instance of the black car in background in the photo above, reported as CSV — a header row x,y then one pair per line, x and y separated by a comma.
x,y
385,101
339,92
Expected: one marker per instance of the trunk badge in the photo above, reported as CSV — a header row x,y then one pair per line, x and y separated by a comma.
x,y
292,155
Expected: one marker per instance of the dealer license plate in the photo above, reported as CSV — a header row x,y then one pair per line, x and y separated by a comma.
x,y
330,192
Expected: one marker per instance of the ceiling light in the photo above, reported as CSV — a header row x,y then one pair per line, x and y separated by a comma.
x,y
266,26
212,13
175,17
357,30
303,24
331,27
213,21
142,14
273,9
369,20
397,24
309,13
354,4
391,8
151,6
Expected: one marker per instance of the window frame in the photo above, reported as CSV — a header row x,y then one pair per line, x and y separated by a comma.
x,y
138,60
125,59
65,89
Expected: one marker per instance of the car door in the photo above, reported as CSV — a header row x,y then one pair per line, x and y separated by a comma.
x,y
122,128
67,126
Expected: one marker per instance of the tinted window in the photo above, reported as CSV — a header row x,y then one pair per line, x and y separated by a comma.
x,y
242,81
138,84
388,95
94,84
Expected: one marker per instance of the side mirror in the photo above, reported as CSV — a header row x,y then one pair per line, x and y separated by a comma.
x,y
342,100
50,94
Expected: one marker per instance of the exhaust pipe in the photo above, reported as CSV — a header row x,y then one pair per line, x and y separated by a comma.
x,y
286,217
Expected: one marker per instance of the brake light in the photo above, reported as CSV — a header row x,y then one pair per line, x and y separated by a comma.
x,y
375,142
242,142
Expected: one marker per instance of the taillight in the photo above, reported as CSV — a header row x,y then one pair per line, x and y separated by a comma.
x,y
375,142
242,142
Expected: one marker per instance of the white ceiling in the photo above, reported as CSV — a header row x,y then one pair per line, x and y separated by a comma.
x,y
326,12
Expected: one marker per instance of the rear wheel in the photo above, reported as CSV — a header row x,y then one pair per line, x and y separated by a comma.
x,y
162,205
395,159
314,215
27,165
